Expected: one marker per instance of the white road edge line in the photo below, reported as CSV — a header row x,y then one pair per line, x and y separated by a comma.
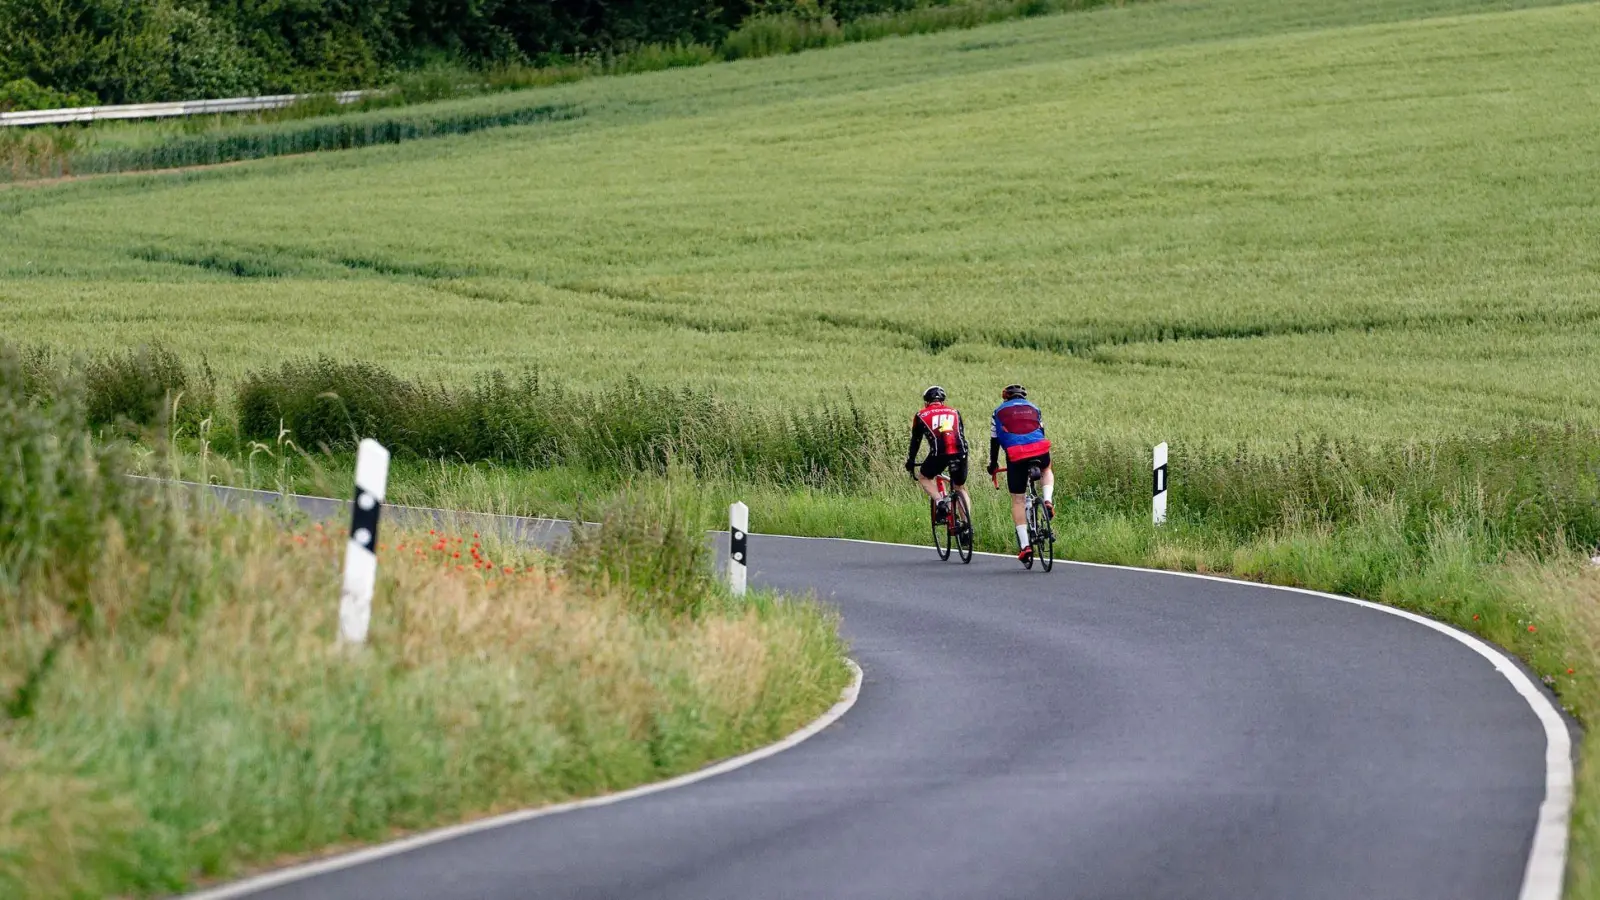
x,y
272,879
1547,857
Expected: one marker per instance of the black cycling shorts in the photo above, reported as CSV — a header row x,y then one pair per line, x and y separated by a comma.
x,y
933,465
1017,472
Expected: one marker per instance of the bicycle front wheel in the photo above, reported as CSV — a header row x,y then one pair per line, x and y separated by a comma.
x,y
961,523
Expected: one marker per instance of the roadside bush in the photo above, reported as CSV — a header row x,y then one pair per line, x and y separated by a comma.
x,y
327,404
775,34
57,493
655,553
146,387
66,514
23,94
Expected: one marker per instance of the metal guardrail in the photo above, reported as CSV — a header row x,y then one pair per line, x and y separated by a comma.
x,y
164,110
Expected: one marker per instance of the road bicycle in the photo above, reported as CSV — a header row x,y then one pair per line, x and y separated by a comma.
x,y
1040,534
956,530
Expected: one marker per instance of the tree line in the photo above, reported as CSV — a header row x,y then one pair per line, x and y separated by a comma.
x,y
69,52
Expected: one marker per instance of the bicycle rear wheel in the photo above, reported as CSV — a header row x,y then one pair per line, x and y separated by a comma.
x,y
961,524
941,533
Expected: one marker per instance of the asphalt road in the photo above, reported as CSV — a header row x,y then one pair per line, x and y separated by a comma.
x,y
1088,733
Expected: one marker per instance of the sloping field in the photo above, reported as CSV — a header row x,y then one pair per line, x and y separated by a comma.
x,y
1229,219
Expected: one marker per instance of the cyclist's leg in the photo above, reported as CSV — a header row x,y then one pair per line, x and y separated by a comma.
x,y
958,479
929,470
1017,484
1047,483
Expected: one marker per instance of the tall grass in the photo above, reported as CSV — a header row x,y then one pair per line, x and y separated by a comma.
x,y
532,420
654,552
175,708
1531,489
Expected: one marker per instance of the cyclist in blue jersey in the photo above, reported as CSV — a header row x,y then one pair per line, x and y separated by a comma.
x,y
1018,426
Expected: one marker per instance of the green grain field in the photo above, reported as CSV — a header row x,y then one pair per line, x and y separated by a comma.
x,y
1230,220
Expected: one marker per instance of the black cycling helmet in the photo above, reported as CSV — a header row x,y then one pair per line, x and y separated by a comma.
x,y
1014,392
934,394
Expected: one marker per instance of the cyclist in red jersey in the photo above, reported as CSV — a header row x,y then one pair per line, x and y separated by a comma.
x,y
946,435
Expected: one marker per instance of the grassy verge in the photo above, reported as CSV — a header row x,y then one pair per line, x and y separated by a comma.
x,y
174,707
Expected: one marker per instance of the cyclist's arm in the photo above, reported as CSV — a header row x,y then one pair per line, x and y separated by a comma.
x,y
994,454
917,430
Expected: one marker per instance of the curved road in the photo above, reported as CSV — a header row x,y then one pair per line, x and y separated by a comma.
x,y
1090,733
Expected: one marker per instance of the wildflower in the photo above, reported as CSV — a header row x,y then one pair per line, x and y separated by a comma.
x,y
456,555
1569,671
1531,628
508,570
1474,617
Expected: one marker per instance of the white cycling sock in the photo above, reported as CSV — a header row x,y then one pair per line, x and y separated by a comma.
x,y
1049,491
1022,536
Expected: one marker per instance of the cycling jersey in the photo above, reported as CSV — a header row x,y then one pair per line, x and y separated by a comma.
x,y
942,427
1018,426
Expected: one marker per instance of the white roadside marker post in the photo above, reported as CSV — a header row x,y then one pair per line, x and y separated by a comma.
x,y
1158,485
738,547
360,554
